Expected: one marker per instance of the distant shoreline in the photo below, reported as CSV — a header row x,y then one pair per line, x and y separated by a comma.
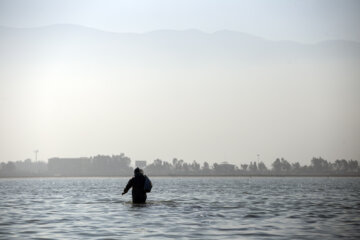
x,y
192,176
119,166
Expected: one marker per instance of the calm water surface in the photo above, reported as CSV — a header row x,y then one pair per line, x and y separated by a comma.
x,y
182,208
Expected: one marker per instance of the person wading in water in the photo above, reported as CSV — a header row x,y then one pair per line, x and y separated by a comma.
x,y
140,184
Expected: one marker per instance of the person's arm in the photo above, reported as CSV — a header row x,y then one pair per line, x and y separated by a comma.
x,y
128,186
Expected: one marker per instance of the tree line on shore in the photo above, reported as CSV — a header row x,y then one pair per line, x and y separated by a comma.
x,y
119,165
280,167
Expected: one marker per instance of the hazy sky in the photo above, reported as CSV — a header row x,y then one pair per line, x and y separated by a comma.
x,y
82,96
299,20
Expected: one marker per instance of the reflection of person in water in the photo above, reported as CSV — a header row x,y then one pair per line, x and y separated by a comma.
x,y
140,185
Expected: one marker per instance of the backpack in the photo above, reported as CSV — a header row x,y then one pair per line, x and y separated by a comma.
x,y
147,185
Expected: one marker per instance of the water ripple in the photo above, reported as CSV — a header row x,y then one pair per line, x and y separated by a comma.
x,y
188,208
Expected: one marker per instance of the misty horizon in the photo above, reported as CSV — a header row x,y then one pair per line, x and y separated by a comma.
x,y
160,30
121,165
223,96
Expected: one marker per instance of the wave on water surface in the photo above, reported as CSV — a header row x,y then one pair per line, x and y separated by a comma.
x,y
191,208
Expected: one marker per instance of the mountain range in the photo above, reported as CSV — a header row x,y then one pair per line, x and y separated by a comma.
x,y
70,89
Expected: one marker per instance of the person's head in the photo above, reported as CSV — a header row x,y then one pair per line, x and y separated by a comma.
x,y
138,171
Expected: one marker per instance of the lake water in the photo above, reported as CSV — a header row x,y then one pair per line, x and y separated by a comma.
x,y
181,208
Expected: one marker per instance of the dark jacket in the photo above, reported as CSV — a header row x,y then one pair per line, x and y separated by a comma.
x,y
137,183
